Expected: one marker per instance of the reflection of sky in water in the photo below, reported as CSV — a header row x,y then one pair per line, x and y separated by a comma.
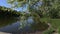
x,y
30,20
10,28
14,27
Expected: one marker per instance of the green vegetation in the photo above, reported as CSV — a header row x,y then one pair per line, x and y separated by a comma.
x,y
50,31
34,12
49,9
55,24
7,12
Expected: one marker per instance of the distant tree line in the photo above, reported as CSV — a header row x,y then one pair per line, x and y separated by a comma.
x,y
7,12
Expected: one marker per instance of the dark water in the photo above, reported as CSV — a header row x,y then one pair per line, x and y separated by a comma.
x,y
11,25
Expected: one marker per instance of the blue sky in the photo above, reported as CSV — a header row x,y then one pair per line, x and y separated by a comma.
x,y
4,3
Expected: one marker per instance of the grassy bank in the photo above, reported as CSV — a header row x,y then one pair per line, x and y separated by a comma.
x,y
55,23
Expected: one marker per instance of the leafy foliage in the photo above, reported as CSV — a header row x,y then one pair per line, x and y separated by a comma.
x,y
51,7
7,12
33,9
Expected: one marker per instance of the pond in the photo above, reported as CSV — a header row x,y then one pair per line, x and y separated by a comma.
x,y
11,25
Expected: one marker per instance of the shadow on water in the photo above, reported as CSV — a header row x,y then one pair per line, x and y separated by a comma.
x,y
11,25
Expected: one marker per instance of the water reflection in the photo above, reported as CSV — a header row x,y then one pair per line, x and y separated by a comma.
x,y
12,25
9,25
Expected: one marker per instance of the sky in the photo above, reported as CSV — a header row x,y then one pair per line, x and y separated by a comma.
x,y
5,4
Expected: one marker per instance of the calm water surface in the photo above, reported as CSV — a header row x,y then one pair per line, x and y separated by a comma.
x,y
11,25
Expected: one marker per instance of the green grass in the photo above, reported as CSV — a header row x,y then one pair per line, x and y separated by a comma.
x,y
48,31
55,23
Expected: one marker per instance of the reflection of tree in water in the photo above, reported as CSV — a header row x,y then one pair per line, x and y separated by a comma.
x,y
6,21
7,16
39,27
